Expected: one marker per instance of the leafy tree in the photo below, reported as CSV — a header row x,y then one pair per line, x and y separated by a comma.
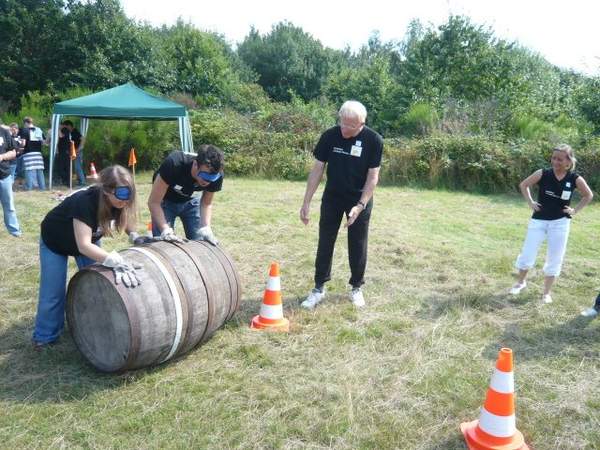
x,y
287,60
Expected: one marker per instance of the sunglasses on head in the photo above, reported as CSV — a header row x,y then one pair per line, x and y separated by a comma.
x,y
122,193
209,176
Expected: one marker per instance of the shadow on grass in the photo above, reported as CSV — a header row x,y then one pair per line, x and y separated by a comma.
x,y
58,373
438,305
576,338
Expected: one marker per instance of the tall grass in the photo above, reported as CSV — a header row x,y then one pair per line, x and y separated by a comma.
x,y
402,373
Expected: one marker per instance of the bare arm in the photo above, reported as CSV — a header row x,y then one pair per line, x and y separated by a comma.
x,y
83,238
586,197
314,178
159,189
206,208
524,186
11,154
367,194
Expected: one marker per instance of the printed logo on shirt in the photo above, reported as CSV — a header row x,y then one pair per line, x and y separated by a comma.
x,y
358,143
552,194
340,150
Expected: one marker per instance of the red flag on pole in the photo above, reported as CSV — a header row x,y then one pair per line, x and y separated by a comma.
x,y
132,158
72,151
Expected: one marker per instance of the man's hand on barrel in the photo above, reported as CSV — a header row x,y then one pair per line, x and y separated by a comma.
x,y
206,234
169,235
124,271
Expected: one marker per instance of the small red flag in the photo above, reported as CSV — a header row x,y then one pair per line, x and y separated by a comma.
x,y
72,152
132,158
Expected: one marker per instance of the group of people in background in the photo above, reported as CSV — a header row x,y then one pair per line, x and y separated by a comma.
x,y
21,158
350,153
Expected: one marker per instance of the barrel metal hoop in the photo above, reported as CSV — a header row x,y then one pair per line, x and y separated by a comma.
x,y
174,294
210,295
233,290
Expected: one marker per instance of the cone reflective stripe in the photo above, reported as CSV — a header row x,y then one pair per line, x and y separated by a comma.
x,y
271,310
93,174
496,428
149,229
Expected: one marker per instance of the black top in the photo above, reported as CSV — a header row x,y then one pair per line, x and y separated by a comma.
x,y
554,195
7,144
176,171
34,138
57,226
348,160
67,136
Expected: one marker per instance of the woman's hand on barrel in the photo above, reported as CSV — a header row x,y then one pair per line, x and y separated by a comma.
x,y
124,271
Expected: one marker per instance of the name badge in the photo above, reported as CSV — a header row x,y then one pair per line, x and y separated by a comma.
x,y
177,187
566,195
1,140
356,150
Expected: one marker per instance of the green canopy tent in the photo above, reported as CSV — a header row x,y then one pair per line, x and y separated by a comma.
x,y
122,102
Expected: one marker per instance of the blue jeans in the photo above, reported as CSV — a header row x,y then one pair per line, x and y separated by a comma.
x,y
50,319
35,176
79,168
8,206
13,168
188,212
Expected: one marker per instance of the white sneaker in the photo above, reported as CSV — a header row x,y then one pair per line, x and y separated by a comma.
x,y
357,298
590,312
314,298
518,288
546,298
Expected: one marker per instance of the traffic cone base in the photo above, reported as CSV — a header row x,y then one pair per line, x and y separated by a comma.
x,y
477,439
259,323
271,317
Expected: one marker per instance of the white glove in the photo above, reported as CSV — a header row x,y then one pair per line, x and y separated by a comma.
x,y
113,259
206,234
169,235
124,271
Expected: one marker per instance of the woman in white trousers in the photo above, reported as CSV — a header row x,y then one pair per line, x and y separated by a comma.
x,y
552,214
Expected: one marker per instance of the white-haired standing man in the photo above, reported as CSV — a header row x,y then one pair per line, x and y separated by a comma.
x,y
351,152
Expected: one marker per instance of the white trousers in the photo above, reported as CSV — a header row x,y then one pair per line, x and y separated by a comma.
x,y
557,233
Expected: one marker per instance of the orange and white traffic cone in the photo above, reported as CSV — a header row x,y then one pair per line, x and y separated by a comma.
x,y
149,230
496,428
271,311
93,174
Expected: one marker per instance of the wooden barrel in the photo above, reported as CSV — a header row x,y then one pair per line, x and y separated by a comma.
x,y
187,292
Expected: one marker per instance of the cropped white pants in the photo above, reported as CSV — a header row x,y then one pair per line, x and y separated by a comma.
x,y
557,233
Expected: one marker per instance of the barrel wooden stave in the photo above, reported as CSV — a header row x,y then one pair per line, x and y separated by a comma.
x,y
118,328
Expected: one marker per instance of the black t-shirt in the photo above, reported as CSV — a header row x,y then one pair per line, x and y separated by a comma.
x,y
57,226
554,195
7,143
348,160
34,138
63,143
176,171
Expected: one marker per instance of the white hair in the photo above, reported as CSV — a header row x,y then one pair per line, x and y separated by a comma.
x,y
354,109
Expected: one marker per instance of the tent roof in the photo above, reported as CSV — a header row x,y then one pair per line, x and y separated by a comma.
x,y
122,102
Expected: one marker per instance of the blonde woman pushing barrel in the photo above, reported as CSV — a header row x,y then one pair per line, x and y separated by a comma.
x,y
552,214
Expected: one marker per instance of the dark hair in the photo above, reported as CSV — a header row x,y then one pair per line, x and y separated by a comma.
x,y
211,156
28,120
67,123
110,178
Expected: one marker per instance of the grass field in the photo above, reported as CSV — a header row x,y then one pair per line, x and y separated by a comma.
x,y
402,373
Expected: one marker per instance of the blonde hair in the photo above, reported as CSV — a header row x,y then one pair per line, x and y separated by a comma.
x,y
568,150
110,178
